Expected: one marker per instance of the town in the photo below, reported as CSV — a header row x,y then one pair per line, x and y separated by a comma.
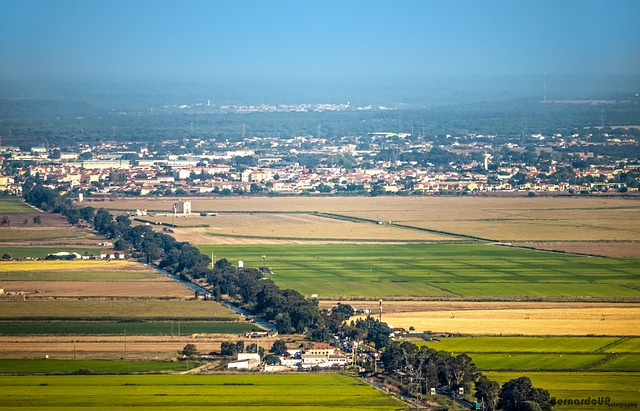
x,y
380,163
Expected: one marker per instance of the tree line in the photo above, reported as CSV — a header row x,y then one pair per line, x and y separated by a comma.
x,y
426,368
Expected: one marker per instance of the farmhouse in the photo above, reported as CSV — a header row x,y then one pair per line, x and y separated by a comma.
x,y
322,355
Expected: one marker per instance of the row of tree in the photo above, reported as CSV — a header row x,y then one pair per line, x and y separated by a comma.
x,y
427,368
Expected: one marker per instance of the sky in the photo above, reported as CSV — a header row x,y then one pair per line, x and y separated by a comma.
x,y
204,40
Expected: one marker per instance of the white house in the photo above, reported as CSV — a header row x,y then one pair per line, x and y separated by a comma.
x,y
316,355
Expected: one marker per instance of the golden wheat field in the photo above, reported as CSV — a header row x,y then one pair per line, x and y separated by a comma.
x,y
528,321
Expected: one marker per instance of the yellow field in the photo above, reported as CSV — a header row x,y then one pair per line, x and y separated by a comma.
x,y
73,265
495,218
528,321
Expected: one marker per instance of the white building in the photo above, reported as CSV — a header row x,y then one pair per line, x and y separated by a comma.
x,y
246,361
182,207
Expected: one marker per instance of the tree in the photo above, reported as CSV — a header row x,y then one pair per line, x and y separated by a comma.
x,y
6,220
189,350
515,393
279,347
6,256
463,371
487,392
271,359
227,348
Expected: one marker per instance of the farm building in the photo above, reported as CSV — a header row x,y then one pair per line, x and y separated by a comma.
x,y
246,361
115,255
182,207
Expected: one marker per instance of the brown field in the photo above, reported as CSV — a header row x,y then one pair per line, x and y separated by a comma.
x,y
161,287
119,308
291,227
54,230
495,218
113,347
606,249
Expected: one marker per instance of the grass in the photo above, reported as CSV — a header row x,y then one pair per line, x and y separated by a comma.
x,y
114,309
123,327
620,387
31,366
179,392
468,270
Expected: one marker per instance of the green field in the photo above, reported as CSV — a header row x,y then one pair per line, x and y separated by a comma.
x,y
14,205
124,327
619,387
179,392
545,353
537,362
531,344
468,270
32,367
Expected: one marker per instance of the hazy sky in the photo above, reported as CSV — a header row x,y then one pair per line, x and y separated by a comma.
x,y
189,39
